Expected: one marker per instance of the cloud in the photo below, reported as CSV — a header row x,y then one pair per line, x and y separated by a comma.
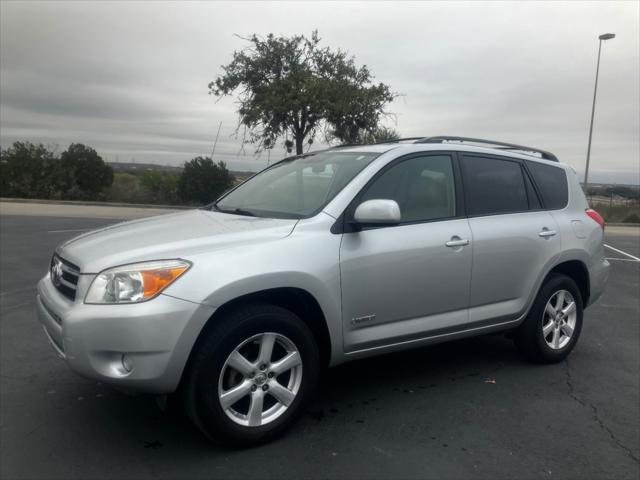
x,y
131,79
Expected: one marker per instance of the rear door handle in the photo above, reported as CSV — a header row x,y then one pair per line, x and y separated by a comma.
x,y
457,242
547,233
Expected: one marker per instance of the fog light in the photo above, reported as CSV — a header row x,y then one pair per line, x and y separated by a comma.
x,y
127,363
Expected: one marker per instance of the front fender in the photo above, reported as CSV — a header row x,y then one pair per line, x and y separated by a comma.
x,y
308,259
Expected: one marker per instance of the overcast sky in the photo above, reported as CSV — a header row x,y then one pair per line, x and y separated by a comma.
x,y
130,79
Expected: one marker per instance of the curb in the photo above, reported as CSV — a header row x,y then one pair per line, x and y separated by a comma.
x,y
96,204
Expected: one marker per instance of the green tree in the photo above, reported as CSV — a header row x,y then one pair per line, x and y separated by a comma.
x,y
380,134
202,180
25,170
83,172
291,88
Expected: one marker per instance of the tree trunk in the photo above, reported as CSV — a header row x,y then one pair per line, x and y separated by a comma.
x,y
299,143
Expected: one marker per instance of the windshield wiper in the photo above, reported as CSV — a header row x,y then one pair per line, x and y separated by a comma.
x,y
236,211
240,211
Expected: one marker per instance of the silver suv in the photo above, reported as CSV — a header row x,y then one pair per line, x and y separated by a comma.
x,y
324,258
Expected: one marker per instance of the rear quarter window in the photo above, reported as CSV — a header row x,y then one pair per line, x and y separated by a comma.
x,y
552,184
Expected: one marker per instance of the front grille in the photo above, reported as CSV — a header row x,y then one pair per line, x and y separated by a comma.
x,y
64,276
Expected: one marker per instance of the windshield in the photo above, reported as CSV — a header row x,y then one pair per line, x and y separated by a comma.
x,y
295,188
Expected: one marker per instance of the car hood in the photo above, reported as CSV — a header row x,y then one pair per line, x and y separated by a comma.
x,y
178,235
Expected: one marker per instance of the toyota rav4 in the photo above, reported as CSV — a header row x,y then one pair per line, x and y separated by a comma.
x,y
323,258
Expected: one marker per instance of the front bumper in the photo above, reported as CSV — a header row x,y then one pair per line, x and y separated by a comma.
x,y
156,336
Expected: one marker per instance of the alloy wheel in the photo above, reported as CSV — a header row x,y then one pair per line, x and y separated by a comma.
x,y
559,319
260,379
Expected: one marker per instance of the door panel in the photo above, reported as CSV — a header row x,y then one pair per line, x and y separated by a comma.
x,y
508,257
399,283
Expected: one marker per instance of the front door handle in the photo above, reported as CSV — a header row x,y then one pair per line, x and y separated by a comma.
x,y
457,242
547,233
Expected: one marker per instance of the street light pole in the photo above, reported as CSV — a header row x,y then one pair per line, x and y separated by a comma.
x,y
604,36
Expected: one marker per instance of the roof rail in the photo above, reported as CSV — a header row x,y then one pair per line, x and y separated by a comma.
x,y
446,139
499,145
397,140
344,145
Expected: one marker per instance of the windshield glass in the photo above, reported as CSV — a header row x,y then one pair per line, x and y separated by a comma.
x,y
296,188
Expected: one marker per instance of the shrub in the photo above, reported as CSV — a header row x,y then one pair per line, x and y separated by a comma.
x,y
633,218
26,171
29,170
162,186
202,180
85,173
128,188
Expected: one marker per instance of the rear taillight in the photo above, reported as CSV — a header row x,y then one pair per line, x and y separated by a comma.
x,y
595,216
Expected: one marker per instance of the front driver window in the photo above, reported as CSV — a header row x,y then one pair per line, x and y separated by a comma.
x,y
423,187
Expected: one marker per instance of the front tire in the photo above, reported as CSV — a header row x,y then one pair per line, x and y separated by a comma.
x,y
251,375
552,327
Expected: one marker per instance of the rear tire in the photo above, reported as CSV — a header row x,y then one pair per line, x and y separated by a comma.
x,y
264,355
552,327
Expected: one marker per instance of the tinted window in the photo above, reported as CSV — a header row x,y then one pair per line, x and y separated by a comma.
x,y
493,186
422,186
552,183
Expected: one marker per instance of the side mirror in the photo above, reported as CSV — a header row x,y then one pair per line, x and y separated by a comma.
x,y
378,212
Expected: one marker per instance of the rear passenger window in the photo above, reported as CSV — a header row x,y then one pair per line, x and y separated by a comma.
x,y
493,186
552,183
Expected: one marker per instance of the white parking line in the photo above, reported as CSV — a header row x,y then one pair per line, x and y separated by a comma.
x,y
622,259
9,292
623,253
11,307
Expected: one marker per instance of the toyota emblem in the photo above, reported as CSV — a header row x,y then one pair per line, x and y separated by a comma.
x,y
56,271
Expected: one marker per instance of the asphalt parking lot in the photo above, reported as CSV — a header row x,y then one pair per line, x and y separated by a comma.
x,y
469,409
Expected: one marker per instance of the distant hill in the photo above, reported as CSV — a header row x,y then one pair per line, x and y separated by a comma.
x,y
629,192
605,185
140,167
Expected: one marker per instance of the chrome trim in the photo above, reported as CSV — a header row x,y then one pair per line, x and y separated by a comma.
x,y
53,343
68,284
461,242
547,233
70,271
362,319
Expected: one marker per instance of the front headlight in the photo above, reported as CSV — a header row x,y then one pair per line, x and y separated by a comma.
x,y
136,282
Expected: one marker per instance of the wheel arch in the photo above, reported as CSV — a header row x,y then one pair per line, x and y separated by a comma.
x,y
294,299
578,272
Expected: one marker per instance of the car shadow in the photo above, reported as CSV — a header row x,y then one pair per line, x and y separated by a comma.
x,y
343,390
